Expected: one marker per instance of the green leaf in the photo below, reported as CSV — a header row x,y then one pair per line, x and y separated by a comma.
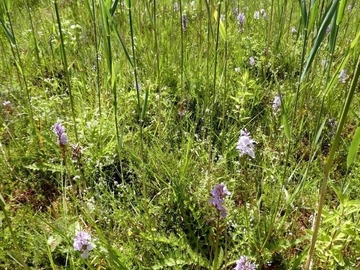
x,y
217,17
286,126
340,195
220,258
113,7
8,32
337,254
303,12
355,41
319,132
354,146
335,77
320,37
340,14
2,201
314,10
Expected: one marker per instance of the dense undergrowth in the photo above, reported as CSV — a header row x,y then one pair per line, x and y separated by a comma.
x,y
179,134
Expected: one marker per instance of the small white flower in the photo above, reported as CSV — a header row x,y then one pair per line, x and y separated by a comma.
x,y
323,62
252,61
6,103
263,13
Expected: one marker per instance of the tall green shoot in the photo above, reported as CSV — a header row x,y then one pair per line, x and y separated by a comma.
x,y
330,159
10,34
92,12
66,69
140,111
105,16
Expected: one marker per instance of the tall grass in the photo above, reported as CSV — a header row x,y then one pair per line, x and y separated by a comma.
x,y
156,107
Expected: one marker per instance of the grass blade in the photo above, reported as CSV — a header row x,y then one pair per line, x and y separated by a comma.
x,y
330,159
320,37
354,146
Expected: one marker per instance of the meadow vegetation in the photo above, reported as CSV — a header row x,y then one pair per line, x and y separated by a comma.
x,y
179,134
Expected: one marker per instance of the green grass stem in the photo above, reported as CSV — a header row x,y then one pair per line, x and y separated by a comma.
x,y
66,70
330,159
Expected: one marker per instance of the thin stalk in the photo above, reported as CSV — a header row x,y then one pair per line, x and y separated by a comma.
x,y
92,12
268,39
211,114
216,54
140,114
217,236
225,72
182,75
37,53
329,161
93,17
20,67
106,18
208,55
157,67
66,69
274,211
181,50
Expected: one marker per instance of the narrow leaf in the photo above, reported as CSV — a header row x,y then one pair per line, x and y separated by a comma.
x,y
320,37
314,10
354,146
2,202
319,132
221,26
303,12
8,32
341,10
113,7
286,126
